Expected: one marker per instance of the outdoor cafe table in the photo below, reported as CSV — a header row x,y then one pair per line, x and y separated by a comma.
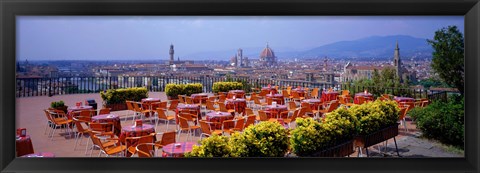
x,y
367,96
237,93
201,97
314,103
277,98
73,109
270,90
403,99
192,107
172,150
238,104
329,96
300,91
23,145
40,154
135,131
218,117
273,110
103,118
147,104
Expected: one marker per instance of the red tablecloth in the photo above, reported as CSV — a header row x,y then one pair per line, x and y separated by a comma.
x,y
277,98
237,93
270,90
272,111
329,96
314,103
41,154
238,104
196,98
172,150
300,91
109,118
218,117
367,96
24,145
76,108
403,99
187,107
134,131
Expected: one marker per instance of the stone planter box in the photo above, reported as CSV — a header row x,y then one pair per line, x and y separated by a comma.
x,y
116,106
379,136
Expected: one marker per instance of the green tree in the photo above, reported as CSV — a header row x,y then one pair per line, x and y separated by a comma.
x,y
448,56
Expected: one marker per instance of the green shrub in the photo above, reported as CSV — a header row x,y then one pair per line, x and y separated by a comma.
x,y
311,136
57,104
114,96
266,139
173,90
226,86
373,116
213,146
442,121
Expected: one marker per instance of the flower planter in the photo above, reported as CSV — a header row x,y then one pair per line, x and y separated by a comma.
x,y
340,150
116,106
379,136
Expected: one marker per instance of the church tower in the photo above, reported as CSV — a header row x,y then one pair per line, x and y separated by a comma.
x,y
171,54
397,64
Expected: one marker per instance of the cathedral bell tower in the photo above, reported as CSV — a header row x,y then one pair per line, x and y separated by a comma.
x,y
171,54
397,64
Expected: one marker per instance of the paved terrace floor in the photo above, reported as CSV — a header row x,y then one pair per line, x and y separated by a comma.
x,y
30,115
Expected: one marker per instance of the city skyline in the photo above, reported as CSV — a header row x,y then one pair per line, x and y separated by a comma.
x,y
148,38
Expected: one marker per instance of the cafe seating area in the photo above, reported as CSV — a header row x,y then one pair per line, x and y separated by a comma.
x,y
160,127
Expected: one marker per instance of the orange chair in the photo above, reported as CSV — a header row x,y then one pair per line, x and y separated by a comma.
x,y
185,126
250,120
162,116
334,105
104,111
239,126
59,119
207,130
116,149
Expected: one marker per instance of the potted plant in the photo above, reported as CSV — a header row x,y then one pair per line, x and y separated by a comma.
x,y
60,105
224,87
192,88
173,90
115,98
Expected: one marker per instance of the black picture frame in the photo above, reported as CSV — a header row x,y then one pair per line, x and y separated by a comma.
x,y
11,8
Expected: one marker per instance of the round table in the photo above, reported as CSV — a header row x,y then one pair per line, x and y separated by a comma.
x,y
403,99
329,96
187,107
135,131
172,150
237,93
272,111
276,97
314,103
269,90
218,117
73,109
147,104
23,145
109,118
367,96
199,98
41,154
300,91
238,104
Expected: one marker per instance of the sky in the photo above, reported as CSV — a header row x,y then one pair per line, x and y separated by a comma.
x,y
149,37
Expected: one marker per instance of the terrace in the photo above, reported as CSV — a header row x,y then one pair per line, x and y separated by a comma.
x,y
30,115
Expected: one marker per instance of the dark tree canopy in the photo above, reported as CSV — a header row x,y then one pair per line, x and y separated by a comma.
x,y
448,56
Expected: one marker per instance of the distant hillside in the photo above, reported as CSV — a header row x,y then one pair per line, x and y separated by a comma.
x,y
378,47
375,46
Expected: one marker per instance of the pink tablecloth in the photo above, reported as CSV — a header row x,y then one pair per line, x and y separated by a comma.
x,y
404,99
277,98
273,111
329,96
237,93
172,150
238,104
197,98
187,107
218,117
314,103
73,109
134,131
41,154
110,118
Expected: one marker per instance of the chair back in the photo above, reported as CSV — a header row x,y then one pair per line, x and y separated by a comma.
x,y
104,111
212,99
285,93
78,123
221,98
168,138
57,114
296,95
256,100
314,92
250,120
263,115
181,99
129,105
102,127
269,100
227,125
136,106
210,105
161,113
345,92
162,105
403,113
183,122
205,127
249,111
302,112
173,105
334,105
223,108
145,150
240,124
135,141
289,90
292,105
188,100
295,114
47,114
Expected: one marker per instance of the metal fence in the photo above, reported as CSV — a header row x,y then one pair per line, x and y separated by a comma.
x,y
27,87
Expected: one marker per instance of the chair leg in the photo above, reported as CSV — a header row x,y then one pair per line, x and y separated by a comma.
x,y
76,141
